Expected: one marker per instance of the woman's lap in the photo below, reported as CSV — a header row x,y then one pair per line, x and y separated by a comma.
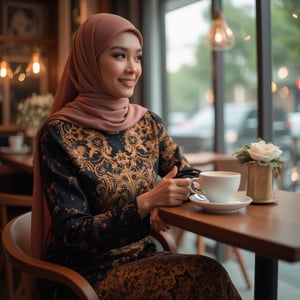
x,y
168,276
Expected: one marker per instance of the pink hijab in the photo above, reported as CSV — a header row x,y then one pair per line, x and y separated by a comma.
x,y
81,99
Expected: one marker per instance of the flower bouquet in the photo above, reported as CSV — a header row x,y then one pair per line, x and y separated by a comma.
x,y
33,111
264,162
262,153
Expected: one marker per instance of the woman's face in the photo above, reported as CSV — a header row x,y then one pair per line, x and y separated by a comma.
x,y
120,65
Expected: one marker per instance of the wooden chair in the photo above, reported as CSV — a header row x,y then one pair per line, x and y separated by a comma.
x,y
16,238
7,201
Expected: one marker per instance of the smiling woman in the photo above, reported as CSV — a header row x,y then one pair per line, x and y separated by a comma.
x,y
104,166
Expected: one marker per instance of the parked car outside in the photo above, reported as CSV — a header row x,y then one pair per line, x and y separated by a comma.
x,y
240,119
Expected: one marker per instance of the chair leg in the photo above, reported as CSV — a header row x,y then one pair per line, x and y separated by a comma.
x,y
9,281
229,250
9,272
178,236
200,245
242,263
20,290
29,287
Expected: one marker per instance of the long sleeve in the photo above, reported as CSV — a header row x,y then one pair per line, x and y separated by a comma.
x,y
70,187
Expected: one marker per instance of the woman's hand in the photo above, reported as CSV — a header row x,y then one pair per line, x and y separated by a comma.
x,y
169,191
156,222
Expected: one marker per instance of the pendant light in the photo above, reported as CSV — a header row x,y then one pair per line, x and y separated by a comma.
x,y
36,65
5,69
220,37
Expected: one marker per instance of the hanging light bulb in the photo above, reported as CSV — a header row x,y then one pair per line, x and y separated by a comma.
x,y
220,37
5,70
36,65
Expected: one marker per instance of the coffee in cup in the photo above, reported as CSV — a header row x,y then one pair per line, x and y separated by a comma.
x,y
217,186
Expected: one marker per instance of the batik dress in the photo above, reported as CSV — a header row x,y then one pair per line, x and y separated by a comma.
x,y
91,180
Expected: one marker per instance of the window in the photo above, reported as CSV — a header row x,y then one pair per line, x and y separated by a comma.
x,y
189,76
189,67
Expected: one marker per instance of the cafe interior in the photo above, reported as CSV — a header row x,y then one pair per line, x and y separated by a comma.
x,y
220,73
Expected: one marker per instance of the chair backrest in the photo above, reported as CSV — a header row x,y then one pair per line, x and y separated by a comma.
x,y
11,205
16,239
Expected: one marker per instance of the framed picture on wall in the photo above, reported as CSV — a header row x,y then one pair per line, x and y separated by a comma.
x,y
22,20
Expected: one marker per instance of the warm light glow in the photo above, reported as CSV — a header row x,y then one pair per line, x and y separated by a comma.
x,y
298,83
209,96
283,73
274,87
220,37
245,36
5,70
35,65
36,68
21,77
284,92
295,175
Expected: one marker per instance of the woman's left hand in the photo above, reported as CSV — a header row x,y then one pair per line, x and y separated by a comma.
x,y
156,222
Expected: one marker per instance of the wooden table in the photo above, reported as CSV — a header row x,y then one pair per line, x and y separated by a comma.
x,y
271,231
22,162
7,130
205,158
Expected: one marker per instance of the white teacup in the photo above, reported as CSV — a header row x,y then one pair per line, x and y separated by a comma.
x,y
15,142
217,186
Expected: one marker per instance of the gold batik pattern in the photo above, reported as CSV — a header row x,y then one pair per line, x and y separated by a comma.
x,y
91,181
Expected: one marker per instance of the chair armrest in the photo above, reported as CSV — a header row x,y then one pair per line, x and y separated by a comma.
x,y
57,273
37,268
165,239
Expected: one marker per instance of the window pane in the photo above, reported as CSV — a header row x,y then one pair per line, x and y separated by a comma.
x,y
191,114
240,76
286,92
190,97
189,79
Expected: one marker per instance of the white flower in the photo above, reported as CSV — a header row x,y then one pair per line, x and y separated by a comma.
x,y
262,151
34,110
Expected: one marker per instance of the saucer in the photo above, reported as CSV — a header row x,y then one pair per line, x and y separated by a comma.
x,y
270,201
239,201
25,149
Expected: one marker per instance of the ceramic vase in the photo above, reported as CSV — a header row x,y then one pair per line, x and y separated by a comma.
x,y
260,182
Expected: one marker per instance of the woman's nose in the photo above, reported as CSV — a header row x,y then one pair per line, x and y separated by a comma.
x,y
131,66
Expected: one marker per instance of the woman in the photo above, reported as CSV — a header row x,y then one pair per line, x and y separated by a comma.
x,y
97,163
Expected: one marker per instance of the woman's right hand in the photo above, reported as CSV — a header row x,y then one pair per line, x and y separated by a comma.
x,y
169,191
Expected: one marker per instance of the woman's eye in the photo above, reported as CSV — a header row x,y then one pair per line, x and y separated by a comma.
x,y
120,56
139,58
